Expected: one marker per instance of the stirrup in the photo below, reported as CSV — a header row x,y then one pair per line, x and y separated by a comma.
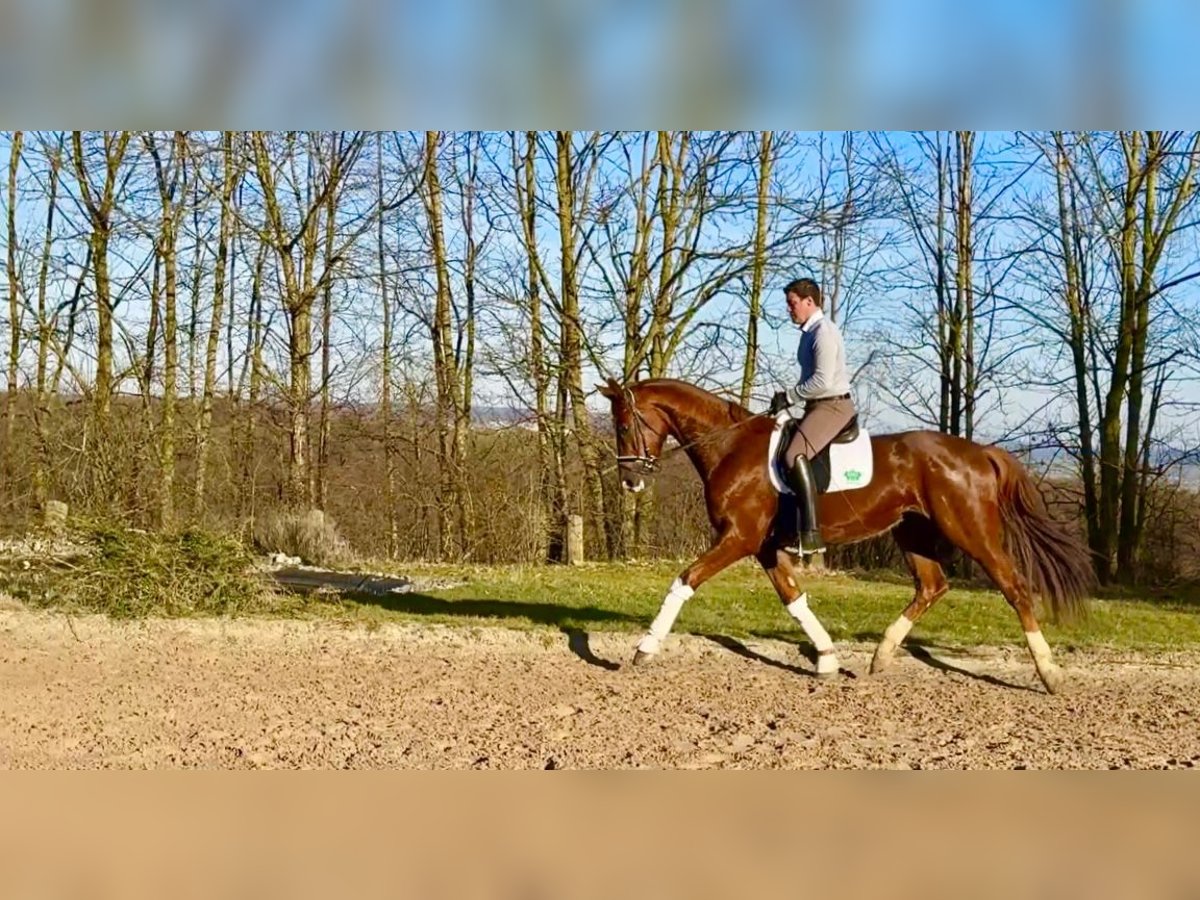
x,y
798,548
811,543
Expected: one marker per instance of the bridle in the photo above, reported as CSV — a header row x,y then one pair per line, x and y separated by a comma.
x,y
649,464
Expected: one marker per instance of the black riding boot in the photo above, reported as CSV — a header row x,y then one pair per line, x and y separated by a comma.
x,y
808,531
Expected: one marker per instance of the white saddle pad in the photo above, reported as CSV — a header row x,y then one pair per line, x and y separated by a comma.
x,y
850,465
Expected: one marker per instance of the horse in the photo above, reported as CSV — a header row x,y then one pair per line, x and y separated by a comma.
x,y
930,489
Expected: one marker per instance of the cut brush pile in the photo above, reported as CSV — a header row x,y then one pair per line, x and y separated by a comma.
x,y
129,574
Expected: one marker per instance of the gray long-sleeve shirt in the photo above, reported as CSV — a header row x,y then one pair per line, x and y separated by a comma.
x,y
822,358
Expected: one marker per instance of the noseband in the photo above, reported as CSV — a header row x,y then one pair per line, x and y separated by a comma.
x,y
648,463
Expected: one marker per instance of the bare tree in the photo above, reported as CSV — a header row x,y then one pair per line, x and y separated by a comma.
x,y
287,231
678,266
949,217
574,176
99,202
45,327
467,176
385,386
960,325
1166,191
446,370
331,225
1124,202
552,487
16,144
253,377
170,181
232,169
759,263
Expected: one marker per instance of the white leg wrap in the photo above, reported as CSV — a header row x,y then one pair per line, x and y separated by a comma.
x,y
808,621
826,660
895,634
1039,648
1047,669
667,613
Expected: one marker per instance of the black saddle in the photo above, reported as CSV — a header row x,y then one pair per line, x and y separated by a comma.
x,y
849,434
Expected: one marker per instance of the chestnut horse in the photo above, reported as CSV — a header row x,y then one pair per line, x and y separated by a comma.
x,y
929,489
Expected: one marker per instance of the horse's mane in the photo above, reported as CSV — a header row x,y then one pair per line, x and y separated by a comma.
x,y
734,410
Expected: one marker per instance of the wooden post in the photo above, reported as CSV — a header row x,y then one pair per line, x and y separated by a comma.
x,y
574,540
55,516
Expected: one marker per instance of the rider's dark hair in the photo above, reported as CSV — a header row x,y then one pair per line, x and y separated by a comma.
x,y
804,287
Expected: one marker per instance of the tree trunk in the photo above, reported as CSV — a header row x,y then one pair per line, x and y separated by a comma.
x,y
255,370
571,365
758,267
465,353
445,369
170,186
326,339
551,539
1159,211
962,407
232,173
99,207
1078,330
170,370
14,314
385,390
193,332
942,291
41,408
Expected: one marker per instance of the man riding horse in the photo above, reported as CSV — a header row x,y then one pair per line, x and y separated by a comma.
x,y
824,389
932,491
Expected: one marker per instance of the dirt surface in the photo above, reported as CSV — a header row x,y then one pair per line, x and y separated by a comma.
x,y
87,692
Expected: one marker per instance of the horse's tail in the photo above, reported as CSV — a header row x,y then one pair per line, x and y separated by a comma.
x,y
1056,564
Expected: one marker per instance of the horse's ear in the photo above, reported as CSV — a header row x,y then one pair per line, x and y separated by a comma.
x,y
610,388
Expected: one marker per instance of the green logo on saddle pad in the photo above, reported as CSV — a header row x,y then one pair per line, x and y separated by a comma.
x,y
852,475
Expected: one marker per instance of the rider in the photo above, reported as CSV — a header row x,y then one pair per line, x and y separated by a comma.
x,y
824,388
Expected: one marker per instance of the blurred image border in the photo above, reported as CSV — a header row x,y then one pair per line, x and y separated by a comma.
x,y
592,834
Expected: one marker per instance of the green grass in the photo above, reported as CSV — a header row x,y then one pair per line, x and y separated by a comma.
x,y
132,574
740,602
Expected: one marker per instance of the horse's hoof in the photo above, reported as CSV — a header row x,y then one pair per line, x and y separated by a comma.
x,y
827,666
881,662
640,658
1053,678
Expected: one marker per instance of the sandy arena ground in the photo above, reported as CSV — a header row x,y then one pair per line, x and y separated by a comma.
x,y
89,693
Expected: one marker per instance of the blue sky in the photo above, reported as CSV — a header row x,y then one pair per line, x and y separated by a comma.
x,y
570,63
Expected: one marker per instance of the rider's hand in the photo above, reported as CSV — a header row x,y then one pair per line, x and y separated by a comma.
x,y
779,402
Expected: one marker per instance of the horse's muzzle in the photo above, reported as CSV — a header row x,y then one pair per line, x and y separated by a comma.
x,y
633,468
